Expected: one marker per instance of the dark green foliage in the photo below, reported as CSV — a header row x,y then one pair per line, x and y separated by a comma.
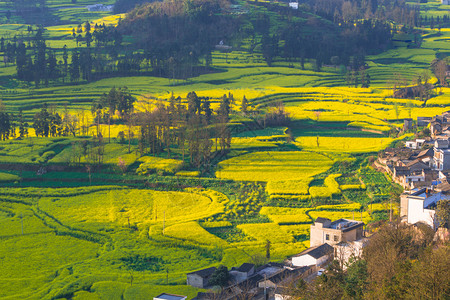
x,y
220,277
5,126
355,283
443,213
143,263
230,234
47,124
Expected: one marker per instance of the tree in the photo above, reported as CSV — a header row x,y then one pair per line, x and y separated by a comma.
x,y
5,126
224,108
443,213
355,282
206,108
430,275
267,249
193,104
220,277
75,67
244,105
441,73
41,122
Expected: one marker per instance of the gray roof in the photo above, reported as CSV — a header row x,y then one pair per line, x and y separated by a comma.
x,y
426,152
246,267
204,273
318,251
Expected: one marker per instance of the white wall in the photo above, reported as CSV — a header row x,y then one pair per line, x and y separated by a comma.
x,y
416,213
304,260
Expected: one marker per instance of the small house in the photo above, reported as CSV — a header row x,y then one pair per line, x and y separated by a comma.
x,y
200,279
314,256
342,230
243,272
293,5
419,206
423,121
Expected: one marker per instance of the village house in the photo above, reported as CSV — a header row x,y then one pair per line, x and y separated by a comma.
x,y
423,121
200,278
441,158
293,5
439,122
414,179
242,273
415,144
165,296
314,256
345,251
407,124
419,206
342,230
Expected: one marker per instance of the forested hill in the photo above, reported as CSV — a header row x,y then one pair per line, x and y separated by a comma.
x,y
179,33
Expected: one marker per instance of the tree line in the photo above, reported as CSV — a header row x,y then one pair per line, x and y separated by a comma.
x,y
175,39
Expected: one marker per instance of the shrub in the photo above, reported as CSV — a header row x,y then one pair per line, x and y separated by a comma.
x,y
160,165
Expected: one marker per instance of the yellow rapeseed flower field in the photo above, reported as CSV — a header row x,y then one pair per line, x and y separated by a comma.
x,y
271,165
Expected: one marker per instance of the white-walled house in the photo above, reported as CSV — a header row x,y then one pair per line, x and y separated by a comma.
x,y
419,206
314,256
416,144
344,251
293,5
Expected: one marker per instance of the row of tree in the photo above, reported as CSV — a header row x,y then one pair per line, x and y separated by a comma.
x,y
190,127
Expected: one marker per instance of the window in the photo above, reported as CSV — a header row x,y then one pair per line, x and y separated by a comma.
x,y
335,238
327,237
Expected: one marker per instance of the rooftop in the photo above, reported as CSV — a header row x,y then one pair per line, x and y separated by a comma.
x,y
170,297
204,273
318,251
344,224
246,267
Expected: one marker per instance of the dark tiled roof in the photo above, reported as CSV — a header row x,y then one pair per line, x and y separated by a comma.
x,y
427,152
245,267
322,220
417,163
318,251
204,273
286,273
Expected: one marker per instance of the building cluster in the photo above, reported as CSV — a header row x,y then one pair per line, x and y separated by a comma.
x,y
422,168
339,240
